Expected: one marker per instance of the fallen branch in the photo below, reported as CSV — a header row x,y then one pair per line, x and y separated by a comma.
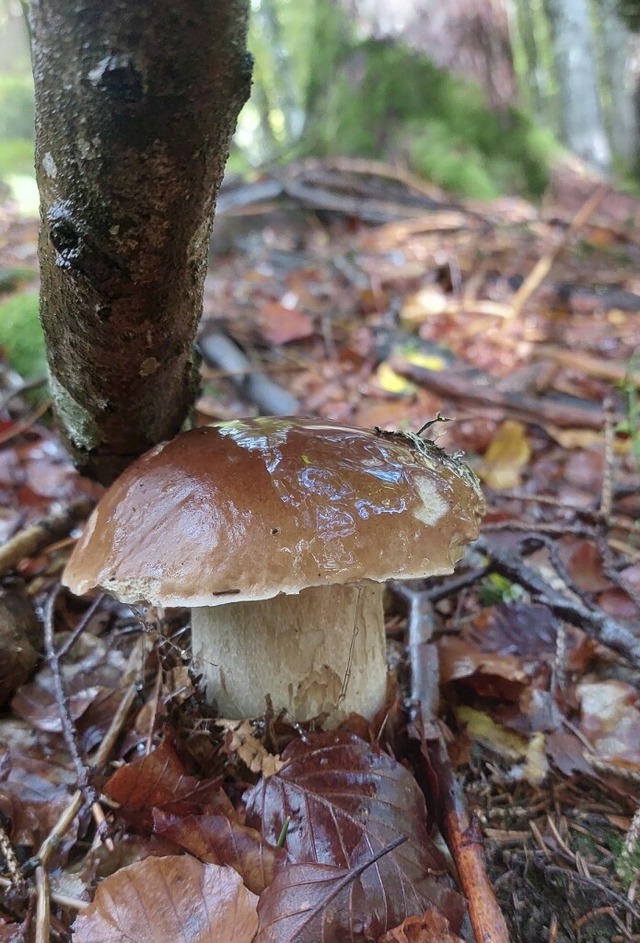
x,y
218,350
450,385
462,832
463,835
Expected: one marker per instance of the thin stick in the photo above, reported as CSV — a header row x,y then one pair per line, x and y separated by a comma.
x,y
24,424
544,264
43,912
68,726
80,627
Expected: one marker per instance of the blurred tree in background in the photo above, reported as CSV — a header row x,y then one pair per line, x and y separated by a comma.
x,y
470,93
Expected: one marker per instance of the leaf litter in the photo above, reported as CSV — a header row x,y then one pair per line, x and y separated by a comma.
x,y
535,639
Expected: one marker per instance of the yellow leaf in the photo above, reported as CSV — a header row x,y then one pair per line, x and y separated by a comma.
x,y
391,382
506,457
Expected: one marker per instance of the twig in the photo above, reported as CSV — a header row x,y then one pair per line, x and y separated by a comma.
x,y
80,627
543,266
24,424
59,830
35,537
68,726
43,913
604,628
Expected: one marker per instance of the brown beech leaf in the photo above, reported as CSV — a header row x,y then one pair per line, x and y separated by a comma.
x,y
216,839
318,903
177,898
345,801
159,780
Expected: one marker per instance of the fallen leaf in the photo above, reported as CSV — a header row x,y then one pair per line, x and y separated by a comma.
x,y
164,899
217,839
241,738
583,562
610,719
159,781
432,927
315,903
506,458
346,800
388,380
280,325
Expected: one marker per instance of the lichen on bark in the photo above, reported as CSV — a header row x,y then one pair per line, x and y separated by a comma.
x,y
135,107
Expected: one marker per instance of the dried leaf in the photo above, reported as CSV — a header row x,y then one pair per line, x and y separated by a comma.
x,y
280,324
241,738
432,927
506,457
583,561
610,719
216,839
164,899
346,800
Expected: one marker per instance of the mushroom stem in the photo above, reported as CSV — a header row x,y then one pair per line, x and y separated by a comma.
x,y
321,651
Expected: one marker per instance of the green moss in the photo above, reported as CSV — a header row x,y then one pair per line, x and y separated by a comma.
x,y
388,100
21,337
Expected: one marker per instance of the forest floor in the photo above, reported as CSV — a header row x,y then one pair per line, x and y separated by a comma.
x,y
356,293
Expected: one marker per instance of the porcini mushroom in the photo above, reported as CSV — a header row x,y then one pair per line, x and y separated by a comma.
x,y
279,533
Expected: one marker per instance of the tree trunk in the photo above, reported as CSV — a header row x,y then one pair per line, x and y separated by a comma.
x,y
136,103
616,49
576,73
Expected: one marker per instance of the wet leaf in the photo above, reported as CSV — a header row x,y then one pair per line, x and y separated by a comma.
x,y
165,899
217,839
159,780
345,801
315,903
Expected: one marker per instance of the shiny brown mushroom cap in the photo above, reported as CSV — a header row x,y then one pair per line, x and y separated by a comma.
x,y
247,509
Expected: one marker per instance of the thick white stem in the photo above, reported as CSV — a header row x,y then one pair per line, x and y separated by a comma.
x,y
321,651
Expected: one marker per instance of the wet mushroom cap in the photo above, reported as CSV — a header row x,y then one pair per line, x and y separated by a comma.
x,y
247,509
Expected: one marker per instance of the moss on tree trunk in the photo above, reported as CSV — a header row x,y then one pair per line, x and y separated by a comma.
x,y
136,103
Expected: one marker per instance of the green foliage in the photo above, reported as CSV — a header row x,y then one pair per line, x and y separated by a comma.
x,y
16,107
16,157
405,106
629,11
496,590
21,336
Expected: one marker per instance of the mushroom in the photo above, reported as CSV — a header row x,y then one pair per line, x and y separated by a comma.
x,y
279,534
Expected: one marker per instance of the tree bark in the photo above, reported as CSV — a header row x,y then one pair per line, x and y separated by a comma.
x,y
136,103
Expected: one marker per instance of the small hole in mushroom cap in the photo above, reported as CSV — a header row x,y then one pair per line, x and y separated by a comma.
x,y
275,530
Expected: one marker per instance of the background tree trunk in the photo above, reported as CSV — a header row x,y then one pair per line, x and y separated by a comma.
x,y
136,103
577,75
